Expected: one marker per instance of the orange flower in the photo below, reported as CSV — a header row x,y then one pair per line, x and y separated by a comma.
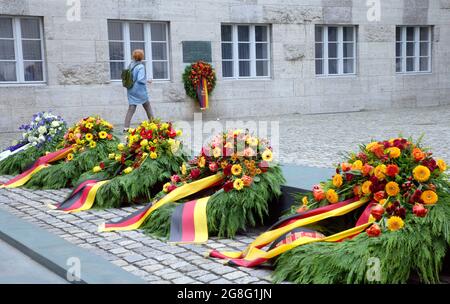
x,y
394,152
337,180
366,187
346,167
379,196
357,190
357,165
332,196
367,170
392,170
421,173
418,154
392,189
429,197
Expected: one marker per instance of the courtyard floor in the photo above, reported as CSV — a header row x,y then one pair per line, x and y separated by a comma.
x,y
312,140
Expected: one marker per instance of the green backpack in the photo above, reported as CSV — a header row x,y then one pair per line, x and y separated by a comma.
x,y
127,77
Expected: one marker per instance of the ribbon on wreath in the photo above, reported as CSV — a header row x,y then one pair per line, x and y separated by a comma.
x,y
13,150
41,163
202,94
136,219
82,198
253,255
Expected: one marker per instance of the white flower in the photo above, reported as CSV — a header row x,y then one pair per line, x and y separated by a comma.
x,y
55,123
41,138
42,129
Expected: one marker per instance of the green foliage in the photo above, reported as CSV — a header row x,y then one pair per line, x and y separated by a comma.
x,y
227,212
64,174
17,163
419,247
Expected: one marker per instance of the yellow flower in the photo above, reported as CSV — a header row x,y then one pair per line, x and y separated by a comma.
x,y
111,156
120,147
305,200
102,134
238,184
395,223
118,158
392,188
357,165
442,165
127,170
236,169
89,136
337,180
97,169
166,187
371,145
267,155
179,132
153,155
394,152
89,125
223,164
217,152
92,144
237,132
366,187
183,169
252,141
332,196
164,126
69,156
144,142
201,162
429,197
421,173
380,172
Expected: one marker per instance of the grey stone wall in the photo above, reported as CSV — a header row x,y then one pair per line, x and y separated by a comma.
x,y
78,71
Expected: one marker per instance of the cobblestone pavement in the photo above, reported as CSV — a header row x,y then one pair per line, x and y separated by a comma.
x,y
314,140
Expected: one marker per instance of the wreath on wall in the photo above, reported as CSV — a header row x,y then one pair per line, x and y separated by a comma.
x,y
196,77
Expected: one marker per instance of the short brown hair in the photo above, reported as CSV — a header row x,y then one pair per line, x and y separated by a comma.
x,y
138,54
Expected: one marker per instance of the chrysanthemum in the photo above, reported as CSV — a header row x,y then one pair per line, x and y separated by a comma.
x,y
429,197
442,165
421,173
332,196
394,152
392,188
395,223
380,171
337,180
366,187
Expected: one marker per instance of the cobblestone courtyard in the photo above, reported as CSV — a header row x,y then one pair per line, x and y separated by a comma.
x,y
314,140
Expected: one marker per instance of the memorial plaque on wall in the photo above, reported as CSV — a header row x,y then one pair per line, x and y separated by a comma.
x,y
196,50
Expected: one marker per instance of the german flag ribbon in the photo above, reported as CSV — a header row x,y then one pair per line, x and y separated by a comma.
x,y
82,198
202,94
189,222
253,255
41,163
136,219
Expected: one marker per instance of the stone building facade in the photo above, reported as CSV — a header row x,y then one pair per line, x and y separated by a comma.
x,y
76,38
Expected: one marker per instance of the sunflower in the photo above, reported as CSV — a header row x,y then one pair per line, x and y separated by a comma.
x,y
69,156
366,187
92,144
267,155
392,188
236,169
337,180
238,184
429,197
102,134
89,136
394,152
153,155
332,196
421,173
442,165
395,223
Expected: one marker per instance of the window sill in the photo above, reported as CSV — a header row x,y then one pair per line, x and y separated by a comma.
x,y
246,78
22,84
336,76
412,73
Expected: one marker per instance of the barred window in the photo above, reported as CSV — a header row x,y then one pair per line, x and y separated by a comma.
x,y
127,36
21,50
245,51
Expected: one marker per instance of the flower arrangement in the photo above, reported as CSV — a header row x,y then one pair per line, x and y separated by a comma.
x,y
251,179
400,175
152,153
42,134
193,75
407,191
91,140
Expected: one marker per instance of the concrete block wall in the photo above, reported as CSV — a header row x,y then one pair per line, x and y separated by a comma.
x,y
77,55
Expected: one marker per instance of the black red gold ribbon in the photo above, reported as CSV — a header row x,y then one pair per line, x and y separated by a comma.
x,y
40,164
202,94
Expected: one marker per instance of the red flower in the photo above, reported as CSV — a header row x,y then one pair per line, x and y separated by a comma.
x,y
318,193
195,173
377,212
172,133
264,166
175,178
213,167
373,231
392,170
228,186
430,164
109,137
419,210
379,196
102,165
171,188
227,170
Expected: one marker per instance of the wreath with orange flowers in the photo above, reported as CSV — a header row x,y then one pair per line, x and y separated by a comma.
x,y
194,73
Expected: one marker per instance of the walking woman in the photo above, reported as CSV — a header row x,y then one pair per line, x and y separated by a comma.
x,y
137,94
